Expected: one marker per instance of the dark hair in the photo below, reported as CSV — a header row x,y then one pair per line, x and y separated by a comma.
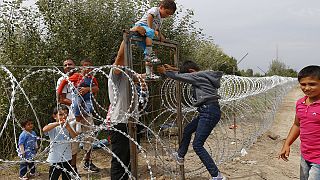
x,y
86,60
309,71
187,65
68,59
168,4
57,109
113,59
25,122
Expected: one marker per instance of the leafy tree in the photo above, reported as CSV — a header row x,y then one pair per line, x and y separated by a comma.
x,y
257,75
279,68
247,73
54,30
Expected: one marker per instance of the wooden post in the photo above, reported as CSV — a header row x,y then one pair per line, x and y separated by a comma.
x,y
179,111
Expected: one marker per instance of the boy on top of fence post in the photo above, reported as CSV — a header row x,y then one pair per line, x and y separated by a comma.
x,y
149,26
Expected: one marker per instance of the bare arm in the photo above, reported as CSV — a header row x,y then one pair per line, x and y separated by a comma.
x,y
63,100
71,131
160,36
161,69
150,20
50,126
292,136
170,68
93,89
120,59
166,67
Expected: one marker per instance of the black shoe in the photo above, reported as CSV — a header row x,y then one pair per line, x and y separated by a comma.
x,y
88,165
75,172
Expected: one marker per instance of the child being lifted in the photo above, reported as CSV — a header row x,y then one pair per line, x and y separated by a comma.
x,y
149,26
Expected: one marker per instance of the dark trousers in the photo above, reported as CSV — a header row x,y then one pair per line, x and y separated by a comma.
x,y
208,117
120,147
24,168
55,172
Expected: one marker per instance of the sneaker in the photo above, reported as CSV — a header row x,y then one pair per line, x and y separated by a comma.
x,y
155,61
219,177
34,175
24,178
152,58
153,77
180,160
88,165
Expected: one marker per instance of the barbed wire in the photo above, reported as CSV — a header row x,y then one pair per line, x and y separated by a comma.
x,y
248,104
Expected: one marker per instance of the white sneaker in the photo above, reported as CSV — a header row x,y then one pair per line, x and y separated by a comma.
x,y
152,58
219,177
34,175
155,61
180,160
24,178
153,77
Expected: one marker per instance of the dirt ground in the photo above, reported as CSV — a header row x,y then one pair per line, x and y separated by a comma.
x,y
261,162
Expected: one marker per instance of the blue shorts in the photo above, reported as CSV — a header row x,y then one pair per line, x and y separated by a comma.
x,y
149,31
149,34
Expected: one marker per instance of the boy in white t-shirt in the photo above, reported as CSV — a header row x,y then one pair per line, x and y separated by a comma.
x,y
60,154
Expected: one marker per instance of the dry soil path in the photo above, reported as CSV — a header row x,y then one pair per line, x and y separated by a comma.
x,y
261,162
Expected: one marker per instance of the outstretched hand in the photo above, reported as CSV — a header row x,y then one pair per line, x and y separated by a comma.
x,y
166,67
161,69
284,153
170,68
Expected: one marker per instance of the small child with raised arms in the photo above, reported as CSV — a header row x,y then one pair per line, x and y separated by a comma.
x,y
307,125
60,154
27,149
149,26
205,86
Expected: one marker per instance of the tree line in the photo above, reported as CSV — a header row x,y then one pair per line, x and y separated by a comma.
x,y
44,35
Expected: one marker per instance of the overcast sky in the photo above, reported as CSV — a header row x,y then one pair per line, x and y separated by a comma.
x,y
258,27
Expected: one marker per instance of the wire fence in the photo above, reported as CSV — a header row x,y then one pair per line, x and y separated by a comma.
x,y
248,108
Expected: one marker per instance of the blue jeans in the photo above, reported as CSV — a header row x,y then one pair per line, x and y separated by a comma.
x,y
309,170
82,104
208,117
24,168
